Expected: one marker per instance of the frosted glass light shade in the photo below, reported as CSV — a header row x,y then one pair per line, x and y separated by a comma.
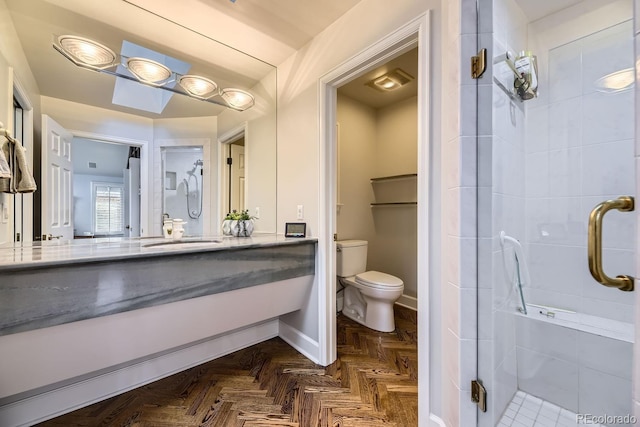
x,y
237,98
148,71
87,52
617,81
200,87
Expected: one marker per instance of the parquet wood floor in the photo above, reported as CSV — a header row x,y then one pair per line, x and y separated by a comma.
x,y
374,382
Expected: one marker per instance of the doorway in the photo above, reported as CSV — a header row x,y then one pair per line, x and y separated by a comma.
x,y
106,183
59,199
233,172
377,167
413,35
184,187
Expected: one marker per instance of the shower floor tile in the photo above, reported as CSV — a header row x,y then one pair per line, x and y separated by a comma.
x,y
526,410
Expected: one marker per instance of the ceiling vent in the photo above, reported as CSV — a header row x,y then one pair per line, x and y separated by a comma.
x,y
92,165
391,80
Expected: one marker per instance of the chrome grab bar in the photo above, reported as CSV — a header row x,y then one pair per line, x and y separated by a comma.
x,y
594,241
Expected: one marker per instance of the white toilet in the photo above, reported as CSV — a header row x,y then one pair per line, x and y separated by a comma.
x,y
368,295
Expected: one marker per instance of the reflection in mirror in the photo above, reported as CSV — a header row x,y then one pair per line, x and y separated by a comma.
x,y
102,108
106,179
183,187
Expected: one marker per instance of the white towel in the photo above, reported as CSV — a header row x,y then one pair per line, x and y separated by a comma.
x,y
5,170
24,182
6,151
20,179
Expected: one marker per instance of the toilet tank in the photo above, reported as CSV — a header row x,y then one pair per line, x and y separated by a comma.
x,y
351,258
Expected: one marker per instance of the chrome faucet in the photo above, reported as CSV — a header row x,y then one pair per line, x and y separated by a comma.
x,y
165,216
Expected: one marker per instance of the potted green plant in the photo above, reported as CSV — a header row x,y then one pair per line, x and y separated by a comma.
x,y
239,224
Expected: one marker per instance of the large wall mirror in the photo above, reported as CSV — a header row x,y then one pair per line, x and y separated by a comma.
x,y
113,156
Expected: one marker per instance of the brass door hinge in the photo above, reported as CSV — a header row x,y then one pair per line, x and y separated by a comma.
x,y
479,395
479,64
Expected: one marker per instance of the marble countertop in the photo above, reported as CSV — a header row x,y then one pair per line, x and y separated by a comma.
x,y
56,252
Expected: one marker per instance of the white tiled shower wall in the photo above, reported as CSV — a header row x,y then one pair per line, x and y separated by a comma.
x,y
579,153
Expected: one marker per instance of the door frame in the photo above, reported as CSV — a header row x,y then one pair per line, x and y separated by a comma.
x,y
223,141
414,32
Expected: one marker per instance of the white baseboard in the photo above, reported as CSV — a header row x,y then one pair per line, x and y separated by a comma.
x,y
35,409
409,302
299,341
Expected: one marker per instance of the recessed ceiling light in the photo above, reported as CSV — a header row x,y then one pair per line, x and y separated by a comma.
x,y
391,80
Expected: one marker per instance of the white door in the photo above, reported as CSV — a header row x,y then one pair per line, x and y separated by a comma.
x,y
237,177
132,228
57,181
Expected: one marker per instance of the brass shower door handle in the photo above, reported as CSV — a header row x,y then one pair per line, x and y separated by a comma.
x,y
594,240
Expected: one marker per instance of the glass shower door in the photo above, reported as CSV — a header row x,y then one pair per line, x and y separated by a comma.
x,y
555,347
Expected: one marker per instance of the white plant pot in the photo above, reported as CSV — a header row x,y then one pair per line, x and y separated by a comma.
x,y
226,227
242,227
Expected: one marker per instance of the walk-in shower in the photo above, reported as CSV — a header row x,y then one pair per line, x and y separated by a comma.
x,y
556,347
183,188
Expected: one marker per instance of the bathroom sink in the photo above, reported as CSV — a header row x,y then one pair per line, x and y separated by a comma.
x,y
177,244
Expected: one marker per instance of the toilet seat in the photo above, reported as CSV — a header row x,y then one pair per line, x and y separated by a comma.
x,y
378,280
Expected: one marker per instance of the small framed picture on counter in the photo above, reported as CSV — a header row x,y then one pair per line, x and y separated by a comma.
x,y
295,229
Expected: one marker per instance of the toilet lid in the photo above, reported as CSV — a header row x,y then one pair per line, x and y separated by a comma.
x,y
376,279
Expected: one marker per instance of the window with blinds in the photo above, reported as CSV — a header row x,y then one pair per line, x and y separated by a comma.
x,y
108,208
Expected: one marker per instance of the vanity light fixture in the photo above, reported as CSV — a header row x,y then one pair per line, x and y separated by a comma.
x,y
92,55
148,71
391,80
237,98
85,53
198,86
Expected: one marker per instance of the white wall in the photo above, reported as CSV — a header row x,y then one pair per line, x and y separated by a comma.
x,y
357,128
